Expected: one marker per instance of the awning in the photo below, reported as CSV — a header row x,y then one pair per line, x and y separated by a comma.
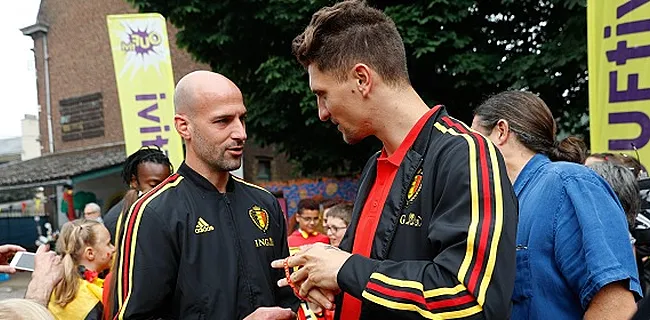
x,y
62,167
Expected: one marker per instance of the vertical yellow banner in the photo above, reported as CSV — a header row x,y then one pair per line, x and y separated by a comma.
x,y
619,76
145,82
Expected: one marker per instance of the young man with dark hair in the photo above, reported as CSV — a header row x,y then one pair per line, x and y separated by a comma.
x,y
143,170
433,229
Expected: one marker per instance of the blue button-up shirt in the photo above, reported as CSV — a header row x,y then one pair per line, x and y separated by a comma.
x,y
572,240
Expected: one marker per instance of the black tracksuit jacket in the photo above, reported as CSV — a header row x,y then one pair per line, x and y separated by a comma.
x,y
190,252
444,247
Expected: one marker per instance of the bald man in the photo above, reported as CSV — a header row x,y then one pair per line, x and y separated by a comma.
x,y
200,244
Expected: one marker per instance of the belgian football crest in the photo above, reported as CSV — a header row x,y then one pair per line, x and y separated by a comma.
x,y
416,187
260,217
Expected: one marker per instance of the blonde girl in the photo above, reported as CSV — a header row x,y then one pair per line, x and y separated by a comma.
x,y
86,252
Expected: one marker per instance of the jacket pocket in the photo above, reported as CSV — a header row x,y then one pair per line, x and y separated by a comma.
x,y
523,286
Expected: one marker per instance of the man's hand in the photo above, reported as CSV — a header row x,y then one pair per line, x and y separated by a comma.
x,y
6,251
320,265
47,266
48,271
271,313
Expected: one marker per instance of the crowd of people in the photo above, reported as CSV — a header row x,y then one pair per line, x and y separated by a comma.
x,y
495,220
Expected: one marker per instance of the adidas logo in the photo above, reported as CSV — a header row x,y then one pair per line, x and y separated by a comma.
x,y
202,226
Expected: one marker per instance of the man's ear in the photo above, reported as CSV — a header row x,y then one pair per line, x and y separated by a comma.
x,y
182,126
501,132
362,75
134,182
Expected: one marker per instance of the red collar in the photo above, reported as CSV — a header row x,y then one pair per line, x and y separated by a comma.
x,y
399,154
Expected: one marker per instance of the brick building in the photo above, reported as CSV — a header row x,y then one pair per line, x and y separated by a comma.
x,y
79,111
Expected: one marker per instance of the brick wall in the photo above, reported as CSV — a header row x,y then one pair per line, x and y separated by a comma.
x,y
80,64
281,169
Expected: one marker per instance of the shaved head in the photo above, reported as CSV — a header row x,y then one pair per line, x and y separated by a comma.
x,y
210,117
198,86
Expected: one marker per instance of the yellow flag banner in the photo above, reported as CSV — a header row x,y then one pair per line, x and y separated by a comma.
x,y
619,76
145,82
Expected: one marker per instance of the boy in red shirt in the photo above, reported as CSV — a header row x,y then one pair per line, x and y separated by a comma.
x,y
307,218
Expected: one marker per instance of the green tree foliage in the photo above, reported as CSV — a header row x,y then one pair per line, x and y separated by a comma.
x,y
459,52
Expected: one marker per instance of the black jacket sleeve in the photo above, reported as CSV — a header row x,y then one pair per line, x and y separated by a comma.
x,y
147,266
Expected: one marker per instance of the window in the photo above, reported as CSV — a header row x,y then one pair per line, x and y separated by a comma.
x,y
263,169
82,117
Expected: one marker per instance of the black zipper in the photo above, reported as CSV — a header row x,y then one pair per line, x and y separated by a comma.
x,y
238,248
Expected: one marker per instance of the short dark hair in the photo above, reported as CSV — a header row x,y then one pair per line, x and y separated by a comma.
x,y
307,204
352,32
145,154
533,124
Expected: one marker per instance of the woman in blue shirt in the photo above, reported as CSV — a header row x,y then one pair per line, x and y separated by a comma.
x,y
574,258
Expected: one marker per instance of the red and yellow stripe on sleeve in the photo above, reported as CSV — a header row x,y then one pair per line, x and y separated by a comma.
x,y
440,303
129,240
476,268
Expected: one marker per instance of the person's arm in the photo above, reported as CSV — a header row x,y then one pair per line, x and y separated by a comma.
x,y
474,224
592,248
285,296
613,302
48,271
146,267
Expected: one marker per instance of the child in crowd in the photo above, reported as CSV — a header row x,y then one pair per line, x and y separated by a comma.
x,y
307,217
86,253
338,219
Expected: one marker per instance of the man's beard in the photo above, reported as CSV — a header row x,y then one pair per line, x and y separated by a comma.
x,y
217,157
223,163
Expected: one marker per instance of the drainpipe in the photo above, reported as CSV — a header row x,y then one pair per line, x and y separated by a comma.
x,y
48,103
37,31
